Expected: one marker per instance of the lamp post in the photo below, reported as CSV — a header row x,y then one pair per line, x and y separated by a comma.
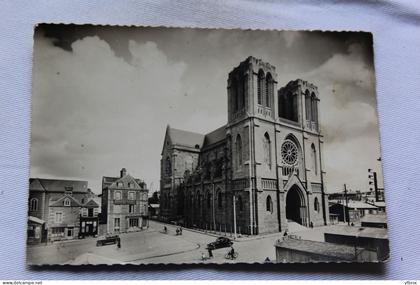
x,y
234,215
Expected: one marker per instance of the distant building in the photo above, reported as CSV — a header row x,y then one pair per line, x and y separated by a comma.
x,y
89,218
351,211
374,221
54,209
154,210
124,203
367,238
351,195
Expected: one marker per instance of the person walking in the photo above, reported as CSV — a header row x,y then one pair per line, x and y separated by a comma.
x,y
210,252
119,242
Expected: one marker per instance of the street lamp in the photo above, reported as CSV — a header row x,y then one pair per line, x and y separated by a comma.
x,y
234,215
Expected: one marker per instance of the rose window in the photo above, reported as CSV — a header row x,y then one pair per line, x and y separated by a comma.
x,y
289,152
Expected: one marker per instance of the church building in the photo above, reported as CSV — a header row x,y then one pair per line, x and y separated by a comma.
x,y
261,171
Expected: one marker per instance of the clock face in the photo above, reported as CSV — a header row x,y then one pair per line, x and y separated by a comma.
x,y
289,152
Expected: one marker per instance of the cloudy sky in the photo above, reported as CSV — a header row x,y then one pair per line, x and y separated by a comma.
x,y
102,96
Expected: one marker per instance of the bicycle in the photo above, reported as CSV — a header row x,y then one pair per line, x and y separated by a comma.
x,y
229,255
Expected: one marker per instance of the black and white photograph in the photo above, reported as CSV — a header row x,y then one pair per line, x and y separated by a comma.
x,y
164,145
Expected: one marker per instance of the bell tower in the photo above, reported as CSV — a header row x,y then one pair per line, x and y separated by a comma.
x,y
251,90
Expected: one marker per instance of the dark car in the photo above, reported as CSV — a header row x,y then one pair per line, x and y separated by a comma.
x,y
220,243
107,239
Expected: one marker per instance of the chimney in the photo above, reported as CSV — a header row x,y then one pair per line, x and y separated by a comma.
x,y
123,172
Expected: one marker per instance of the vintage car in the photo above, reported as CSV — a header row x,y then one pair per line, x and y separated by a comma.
x,y
220,243
107,239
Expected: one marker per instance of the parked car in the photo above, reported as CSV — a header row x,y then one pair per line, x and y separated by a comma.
x,y
220,243
107,239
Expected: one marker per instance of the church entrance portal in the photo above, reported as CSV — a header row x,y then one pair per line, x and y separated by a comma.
x,y
295,206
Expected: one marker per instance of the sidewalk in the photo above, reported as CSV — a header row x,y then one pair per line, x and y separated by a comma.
x,y
240,238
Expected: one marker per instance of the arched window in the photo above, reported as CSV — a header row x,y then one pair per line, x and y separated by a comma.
x,y
314,111
316,205
313,157
238,151
219,200
33,205
67,202
269,204
308,106
261,79
269,90
198,200
208,200
240,205
234,94
241,90
168,166
267,150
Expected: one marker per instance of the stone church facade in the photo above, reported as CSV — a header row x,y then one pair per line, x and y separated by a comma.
x,y
260,170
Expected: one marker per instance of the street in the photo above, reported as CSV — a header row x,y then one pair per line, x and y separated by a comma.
x,y
154,246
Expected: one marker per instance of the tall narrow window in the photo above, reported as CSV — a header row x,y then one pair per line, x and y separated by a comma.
x,y
58,217
267,150
313,157
261,79
314,108
269,204
33,206
240,205
67,202
269,90
219,200
208,200
238,151
234,94
308,106
168,166
316,205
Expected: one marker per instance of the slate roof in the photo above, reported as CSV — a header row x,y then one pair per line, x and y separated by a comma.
x,y
192,140
60,202
112,182
91,204
185,138
332,250
215,136
378,218
57,185
366,232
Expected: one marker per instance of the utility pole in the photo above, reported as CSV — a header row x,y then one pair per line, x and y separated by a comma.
x,y
347,204
234,215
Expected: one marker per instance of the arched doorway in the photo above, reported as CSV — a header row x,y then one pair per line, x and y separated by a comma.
x,y
295,206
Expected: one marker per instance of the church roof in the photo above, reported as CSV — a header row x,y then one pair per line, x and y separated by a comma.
x,y
185,138
215,136
57,185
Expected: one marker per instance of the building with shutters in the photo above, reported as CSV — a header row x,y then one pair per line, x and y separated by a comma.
x,y
54,209
124,203
261,170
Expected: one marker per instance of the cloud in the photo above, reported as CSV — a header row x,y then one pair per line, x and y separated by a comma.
x,y
348,117
89,104
104,102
